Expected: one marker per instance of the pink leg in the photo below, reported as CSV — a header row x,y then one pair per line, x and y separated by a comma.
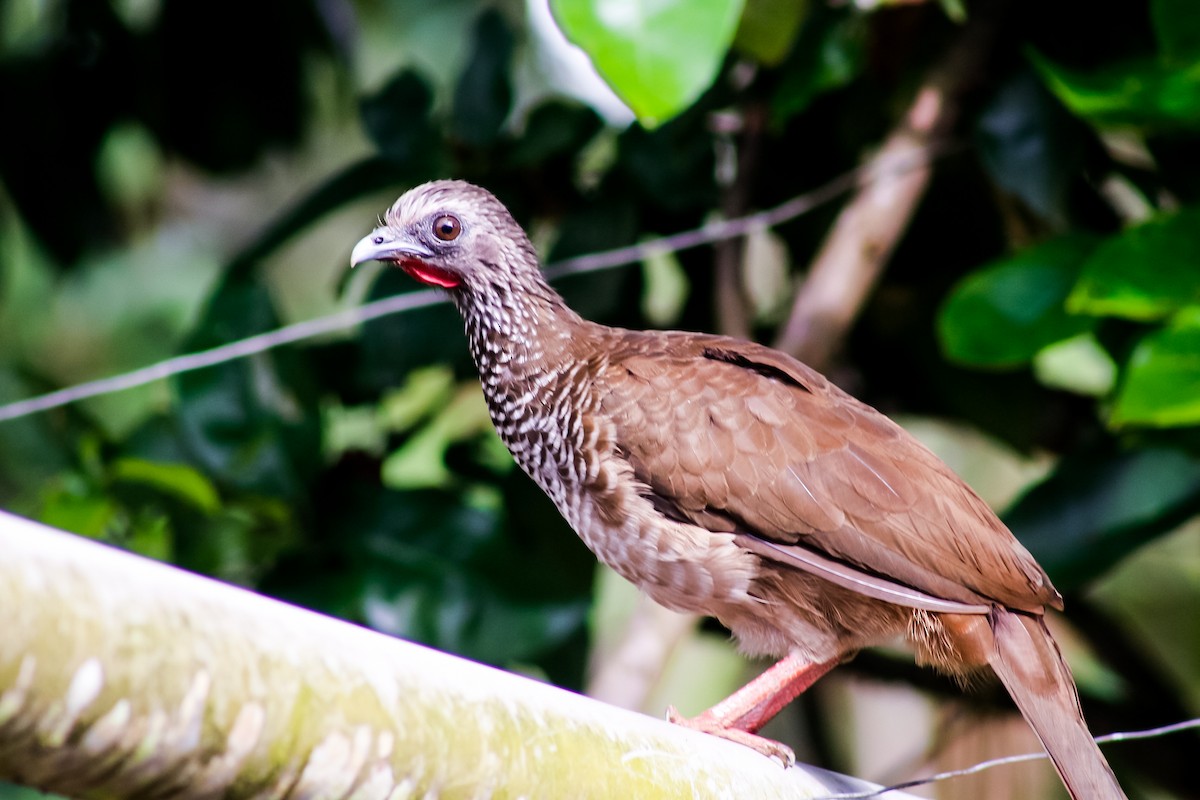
x,y
739,716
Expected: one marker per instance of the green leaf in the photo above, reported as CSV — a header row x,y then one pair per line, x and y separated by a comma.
x,y
1095,509
1079,364
239,543
252,423
672,168
658,57
1031,145
421,461
74,504
829,54
1141,91
554,130
1145,273
1003,314
150,535
429,566
1177,26
385,352
768,29
954,9
30,452
178,480
666,289
483,96
1161,383
397,120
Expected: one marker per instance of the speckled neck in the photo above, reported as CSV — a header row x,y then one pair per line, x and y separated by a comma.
x,y
518,328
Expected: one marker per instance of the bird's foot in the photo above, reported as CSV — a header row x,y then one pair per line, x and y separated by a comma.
x,y
708,723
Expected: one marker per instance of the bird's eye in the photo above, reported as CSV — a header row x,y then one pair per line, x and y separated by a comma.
x,y
447,227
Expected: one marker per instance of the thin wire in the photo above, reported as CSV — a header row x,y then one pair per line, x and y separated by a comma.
x,y
221,354
711,232
1126,736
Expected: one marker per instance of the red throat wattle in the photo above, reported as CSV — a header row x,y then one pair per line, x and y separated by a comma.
x,y
429,274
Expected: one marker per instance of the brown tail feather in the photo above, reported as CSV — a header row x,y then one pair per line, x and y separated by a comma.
x,y
1030,665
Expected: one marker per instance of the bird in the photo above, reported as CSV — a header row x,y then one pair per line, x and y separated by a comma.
x,y
726,478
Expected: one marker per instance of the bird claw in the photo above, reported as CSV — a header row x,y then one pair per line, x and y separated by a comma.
x,y
706,723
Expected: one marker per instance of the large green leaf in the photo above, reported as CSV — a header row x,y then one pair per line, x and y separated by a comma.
x,y
1095,509
658,57
1145,273
1161,383
1002,315
1142,91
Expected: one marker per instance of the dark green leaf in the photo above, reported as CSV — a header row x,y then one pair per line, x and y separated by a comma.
x,y
483,96
672,166
1135,92
1145,273
1094,510
554,131
69,84
252,423
1177,26
397,120
1161,382
830,53
598,295
391,346
1003,314
239,543
224,93
426,565
658,57
1031,146
29,452
1178,167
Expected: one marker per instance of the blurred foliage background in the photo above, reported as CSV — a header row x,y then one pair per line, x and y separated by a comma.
x,y
175,175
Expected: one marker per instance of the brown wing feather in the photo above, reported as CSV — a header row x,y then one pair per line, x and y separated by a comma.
x,y
727,433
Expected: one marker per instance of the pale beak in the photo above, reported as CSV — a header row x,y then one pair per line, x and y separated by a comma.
x,y
384,244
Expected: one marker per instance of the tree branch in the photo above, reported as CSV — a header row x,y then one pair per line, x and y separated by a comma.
x,y
869,227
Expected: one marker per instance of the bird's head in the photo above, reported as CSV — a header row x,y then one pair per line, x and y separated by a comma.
x,y
453,235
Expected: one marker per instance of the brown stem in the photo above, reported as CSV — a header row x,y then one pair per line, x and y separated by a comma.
x,y
625,673
866,232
